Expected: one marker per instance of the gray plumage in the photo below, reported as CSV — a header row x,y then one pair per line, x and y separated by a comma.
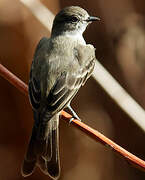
x,y
61,65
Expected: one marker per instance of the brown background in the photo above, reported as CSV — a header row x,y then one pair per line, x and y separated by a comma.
x,y
120,46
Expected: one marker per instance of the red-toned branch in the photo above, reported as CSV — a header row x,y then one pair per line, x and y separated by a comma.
x,y
97,136
14,80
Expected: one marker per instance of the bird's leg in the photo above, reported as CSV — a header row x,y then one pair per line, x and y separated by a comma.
x,y
73,113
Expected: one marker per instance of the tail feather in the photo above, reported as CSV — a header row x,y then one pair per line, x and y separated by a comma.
x,y
44,151
52,162
42,164
30,158
53,166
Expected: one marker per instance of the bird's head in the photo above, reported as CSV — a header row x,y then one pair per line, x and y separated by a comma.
x,y
71,20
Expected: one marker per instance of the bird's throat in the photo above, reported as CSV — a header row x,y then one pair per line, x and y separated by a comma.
x,y
76,36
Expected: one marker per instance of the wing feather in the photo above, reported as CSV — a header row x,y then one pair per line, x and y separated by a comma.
x,y
34,84
67,83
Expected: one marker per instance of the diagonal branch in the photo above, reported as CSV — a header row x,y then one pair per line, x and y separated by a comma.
x,y
119,95
14,80
94,134
40,12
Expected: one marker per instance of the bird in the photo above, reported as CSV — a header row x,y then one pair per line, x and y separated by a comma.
x,y
61,65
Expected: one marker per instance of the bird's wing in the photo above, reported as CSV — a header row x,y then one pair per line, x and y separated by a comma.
x,y
86,58
34,82
68,83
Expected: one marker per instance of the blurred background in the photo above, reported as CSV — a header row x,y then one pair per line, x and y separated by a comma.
x,y
119,39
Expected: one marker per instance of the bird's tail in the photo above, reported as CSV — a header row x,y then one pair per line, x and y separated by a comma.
x,y
43,149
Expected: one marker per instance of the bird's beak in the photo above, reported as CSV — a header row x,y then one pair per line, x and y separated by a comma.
x,y
92,18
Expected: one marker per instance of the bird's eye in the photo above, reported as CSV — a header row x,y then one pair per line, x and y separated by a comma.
x,y
74,19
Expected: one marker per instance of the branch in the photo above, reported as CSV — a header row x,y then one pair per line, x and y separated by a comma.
x,y
97,136
40,12
119,95
14,80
